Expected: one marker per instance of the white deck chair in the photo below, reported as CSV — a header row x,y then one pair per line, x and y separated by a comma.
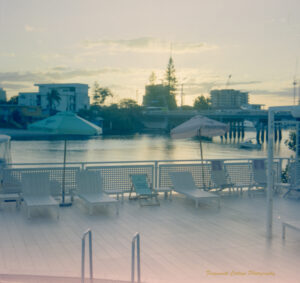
x,y
36,192
91,192
183,183
219,177
293,185
10,188
258,176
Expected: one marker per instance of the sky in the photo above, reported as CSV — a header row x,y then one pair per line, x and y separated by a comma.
x,y
119,43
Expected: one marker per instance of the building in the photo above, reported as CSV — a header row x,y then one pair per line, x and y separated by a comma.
x,y
228,99
155,96
2,94
73,97
159,95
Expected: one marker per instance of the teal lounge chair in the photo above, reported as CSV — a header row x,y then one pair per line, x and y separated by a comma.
x,y
143,190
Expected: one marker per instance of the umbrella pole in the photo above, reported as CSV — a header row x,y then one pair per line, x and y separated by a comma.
x,y
63,191
201,155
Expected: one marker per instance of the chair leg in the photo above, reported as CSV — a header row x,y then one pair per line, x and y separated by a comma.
x,y
283,231
157,201
28,212
117,208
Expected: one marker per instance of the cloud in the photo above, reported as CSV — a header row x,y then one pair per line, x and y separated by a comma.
x,y
29,28
14,86
193,87
285,92
8,54
244,83
57,74
148,45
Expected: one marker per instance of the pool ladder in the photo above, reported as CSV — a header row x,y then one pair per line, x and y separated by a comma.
x,y
89,233
135,243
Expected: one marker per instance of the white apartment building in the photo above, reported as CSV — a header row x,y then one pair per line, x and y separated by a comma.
x,y
2,94
73,97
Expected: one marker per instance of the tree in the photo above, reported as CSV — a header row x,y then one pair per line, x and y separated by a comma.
x,y
152,78
13,100
128,103
291,141
202,103
53,97
171,83
291,144
170,77
100,94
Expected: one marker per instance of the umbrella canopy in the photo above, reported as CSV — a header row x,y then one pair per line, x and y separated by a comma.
x,y
66,123
199,126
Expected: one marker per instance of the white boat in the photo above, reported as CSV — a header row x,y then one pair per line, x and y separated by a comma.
x,y
249,126
249,144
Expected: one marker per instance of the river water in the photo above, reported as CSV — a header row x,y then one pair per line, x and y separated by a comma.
x,y
137,147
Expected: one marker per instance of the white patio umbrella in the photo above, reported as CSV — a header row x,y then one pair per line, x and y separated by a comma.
x,y
199,126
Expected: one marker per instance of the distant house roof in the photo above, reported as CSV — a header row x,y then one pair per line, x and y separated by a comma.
x,y
29,93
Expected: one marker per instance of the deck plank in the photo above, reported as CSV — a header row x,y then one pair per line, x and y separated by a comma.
x,y
179,242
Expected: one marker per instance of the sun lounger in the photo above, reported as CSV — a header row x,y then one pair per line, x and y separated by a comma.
x,y
143,190
90,190
294,225
10,188
36,192
293,178
258,175
219,177
183,183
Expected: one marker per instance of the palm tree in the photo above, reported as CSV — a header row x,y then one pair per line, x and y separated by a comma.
x,y
53,97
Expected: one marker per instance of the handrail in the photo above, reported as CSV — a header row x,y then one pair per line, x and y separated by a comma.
x,y
88,232
82,164
135,241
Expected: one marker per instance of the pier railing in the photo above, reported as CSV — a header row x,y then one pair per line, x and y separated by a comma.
x,y
115,174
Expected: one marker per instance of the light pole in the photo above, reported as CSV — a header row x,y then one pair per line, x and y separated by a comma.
x,y
295,111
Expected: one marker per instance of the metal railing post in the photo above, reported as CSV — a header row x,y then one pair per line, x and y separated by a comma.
x,y
156,174
135,240
88,232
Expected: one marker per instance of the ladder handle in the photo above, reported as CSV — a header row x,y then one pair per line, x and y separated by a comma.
x,y
89,233
135,241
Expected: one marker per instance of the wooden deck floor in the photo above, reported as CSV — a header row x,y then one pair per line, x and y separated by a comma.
x,y
179,243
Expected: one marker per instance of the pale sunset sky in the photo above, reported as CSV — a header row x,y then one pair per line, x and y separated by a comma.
x,y
120,42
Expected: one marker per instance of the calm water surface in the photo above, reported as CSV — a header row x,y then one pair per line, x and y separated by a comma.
x,y
137,147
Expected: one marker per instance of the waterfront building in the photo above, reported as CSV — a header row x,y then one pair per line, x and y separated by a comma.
x,y
228,99
72,97
2,94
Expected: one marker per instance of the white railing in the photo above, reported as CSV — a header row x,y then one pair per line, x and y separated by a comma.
x,y
115,173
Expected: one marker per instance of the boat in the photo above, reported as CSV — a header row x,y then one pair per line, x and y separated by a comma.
x,y
249,144
249,126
